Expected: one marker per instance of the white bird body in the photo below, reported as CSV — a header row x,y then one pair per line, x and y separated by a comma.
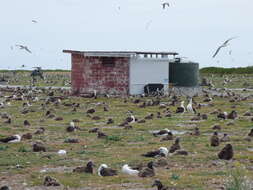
x,y
36,99
1,105
189,106
182,105
16,140
164,150
127,170
72,124
133,118
62,152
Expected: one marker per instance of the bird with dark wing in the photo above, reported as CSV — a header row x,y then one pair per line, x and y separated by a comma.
x,y
161,152
166,4
24,48
104,171
159,185
225,44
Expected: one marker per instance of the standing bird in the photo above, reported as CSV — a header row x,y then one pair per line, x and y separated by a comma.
x,y
225,44
189,107
165,4
24,48
215,141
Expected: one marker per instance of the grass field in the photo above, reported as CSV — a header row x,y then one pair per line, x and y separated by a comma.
x,y
21,168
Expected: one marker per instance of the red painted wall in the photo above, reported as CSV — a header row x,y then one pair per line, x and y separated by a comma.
x,y
89,74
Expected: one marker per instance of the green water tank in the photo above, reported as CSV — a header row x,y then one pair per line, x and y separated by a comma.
x,y
184,74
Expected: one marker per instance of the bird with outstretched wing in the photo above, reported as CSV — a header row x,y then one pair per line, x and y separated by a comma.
x,y
166,4
225,44
24,48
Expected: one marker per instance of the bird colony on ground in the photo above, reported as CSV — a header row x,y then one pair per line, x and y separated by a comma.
x,y
50,138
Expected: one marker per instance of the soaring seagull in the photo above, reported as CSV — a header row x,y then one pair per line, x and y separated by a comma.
x,y
34,21
165,4
225,44
24,48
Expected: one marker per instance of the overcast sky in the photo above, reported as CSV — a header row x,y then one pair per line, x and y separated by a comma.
x,y
193,28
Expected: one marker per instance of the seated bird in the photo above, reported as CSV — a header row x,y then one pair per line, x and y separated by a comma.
x,y
87,169
11,139
147,171
161,132
104,171
223,115
181,109
49,181
161,152
175,146
4,188
225,138
127,170
159,185
232,115
168,137
226,153
195,132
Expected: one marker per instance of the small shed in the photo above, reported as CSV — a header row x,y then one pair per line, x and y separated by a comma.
x,y
118,72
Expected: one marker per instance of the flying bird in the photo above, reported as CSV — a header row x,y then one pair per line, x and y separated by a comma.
x,y
24,48
165,4
34,21
225,44
148,24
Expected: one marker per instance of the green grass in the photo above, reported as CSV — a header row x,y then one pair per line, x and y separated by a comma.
x,y
195,171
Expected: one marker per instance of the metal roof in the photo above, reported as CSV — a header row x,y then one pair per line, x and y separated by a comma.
x,y
120,53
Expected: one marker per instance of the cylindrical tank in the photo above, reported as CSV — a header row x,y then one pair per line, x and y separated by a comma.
x,y
184,74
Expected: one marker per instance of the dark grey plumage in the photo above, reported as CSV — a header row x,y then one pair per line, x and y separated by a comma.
x,y
226,153
87,169
225,44
166,4
215,141
147,171
24,48
175,146
159,185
